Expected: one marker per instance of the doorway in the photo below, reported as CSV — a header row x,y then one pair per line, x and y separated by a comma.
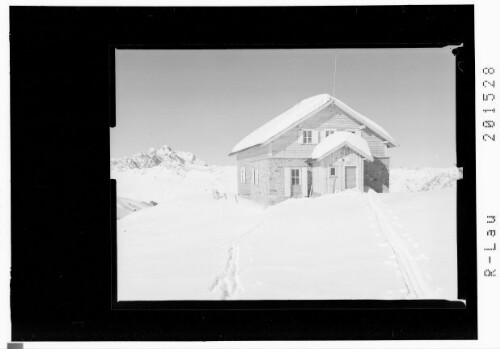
x,y
295,181
350,177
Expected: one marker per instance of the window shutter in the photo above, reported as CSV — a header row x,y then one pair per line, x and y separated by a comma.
x,y
253,176
288,189
315,137
303,179
256,176
300,136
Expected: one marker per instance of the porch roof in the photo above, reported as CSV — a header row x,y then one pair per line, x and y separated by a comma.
x,y
340,139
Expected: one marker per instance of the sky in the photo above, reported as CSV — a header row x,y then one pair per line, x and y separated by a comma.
x,y
206,101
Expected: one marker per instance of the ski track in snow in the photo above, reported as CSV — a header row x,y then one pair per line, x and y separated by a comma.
x,y
413,278
227,281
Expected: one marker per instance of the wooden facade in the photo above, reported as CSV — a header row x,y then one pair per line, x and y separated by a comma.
x,y
285,156
324,182
330,118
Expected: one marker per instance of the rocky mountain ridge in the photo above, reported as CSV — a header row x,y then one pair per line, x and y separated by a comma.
x,y
164,156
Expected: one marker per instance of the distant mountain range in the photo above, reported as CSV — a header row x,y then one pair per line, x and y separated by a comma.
x,y
164,156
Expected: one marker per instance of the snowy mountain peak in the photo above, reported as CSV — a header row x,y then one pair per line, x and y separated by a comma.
x,y
164,156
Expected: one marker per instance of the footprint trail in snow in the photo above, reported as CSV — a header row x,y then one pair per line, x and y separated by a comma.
x,y
227,282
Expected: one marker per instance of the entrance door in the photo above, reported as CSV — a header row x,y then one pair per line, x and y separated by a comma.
x,y
296,185
350,177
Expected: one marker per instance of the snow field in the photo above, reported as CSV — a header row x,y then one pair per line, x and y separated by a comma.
x,y
295,254
174,250
344,246
425,222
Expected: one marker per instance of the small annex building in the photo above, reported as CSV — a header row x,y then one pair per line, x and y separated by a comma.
x,y
319,146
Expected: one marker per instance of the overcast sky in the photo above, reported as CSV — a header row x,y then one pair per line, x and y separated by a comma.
x,y
206,101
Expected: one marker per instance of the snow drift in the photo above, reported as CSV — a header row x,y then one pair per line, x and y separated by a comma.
x,y
125,206
422,179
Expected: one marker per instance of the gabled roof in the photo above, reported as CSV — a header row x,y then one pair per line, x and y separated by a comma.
x,y
372,125
300,112
282,122
338,140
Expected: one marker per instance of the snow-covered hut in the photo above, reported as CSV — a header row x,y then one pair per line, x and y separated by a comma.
x,y
319,146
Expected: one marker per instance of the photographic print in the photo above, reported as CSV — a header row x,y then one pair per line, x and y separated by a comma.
x,y
285,174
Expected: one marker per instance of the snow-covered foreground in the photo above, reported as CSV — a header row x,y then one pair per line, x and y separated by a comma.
x,y
343,246
426,224
352,246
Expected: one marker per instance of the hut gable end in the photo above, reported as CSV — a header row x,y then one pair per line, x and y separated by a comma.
x,y
287,145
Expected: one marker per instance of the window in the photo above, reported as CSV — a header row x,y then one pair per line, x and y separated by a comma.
x,y
307,137
242,175
255,176
295,176
333,171
329,132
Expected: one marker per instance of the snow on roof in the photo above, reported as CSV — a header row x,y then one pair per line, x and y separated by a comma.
x,y
299,112
282,122
364,120
339,139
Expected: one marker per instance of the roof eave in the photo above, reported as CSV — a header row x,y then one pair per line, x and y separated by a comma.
x,y
298,122
353,113
390,142
363,154
239,151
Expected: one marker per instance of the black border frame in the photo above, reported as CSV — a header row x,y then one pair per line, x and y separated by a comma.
x,y
53,32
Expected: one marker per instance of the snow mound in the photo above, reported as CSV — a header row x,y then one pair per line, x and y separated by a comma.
x,y
165,184
125,206
340,139
163,156
422,179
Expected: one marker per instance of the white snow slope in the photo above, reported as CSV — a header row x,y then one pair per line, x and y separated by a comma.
x,y
192,246
422,179
125,206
